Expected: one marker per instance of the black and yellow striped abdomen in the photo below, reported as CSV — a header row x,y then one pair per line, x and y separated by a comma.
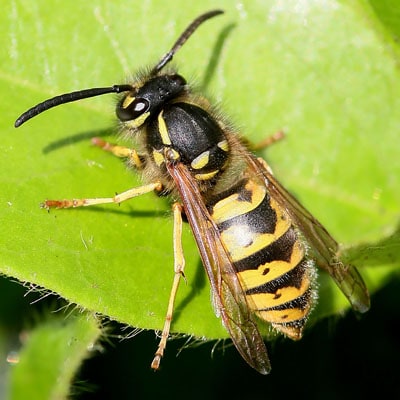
x,y
267,253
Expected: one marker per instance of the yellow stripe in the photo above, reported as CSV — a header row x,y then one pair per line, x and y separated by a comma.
x,y
281,296
269,271
231,206
162,128
283,316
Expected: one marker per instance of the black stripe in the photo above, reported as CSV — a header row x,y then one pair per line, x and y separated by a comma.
x,y
280,250
297,324
238,188
293,278
261,219
301,302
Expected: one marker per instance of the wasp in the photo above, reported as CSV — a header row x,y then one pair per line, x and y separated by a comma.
x,y
259,246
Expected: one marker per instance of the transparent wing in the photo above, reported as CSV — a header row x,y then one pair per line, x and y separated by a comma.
x,y
228,296
324,249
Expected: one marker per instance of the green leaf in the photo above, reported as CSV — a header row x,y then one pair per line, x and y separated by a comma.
x,y
51,356
324,71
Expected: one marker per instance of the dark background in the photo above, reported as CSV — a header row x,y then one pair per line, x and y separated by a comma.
x,y
342,357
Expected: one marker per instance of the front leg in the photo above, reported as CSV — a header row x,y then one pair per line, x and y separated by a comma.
x,y
119,198
179,266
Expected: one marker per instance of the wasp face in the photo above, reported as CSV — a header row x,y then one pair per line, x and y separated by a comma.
x,y
147,100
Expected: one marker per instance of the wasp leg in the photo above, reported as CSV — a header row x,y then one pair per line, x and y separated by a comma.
x,y
179,265
118,198
268,141
120,151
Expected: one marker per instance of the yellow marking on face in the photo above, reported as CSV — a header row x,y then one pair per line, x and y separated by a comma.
x,y
162,128
241,242
223,145
128,101
139,121
201,161
283,316
231,206
269,271
281,296
207,176
158,157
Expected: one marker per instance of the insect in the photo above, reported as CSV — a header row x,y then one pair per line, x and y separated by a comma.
x,y
258,244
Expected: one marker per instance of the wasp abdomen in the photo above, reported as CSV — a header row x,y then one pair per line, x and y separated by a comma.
x,y
269,257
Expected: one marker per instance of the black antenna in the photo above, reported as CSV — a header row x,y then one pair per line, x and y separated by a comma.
x,y
86,93
183,38
67,98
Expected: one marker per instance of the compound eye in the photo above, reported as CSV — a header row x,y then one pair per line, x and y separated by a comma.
x,y
132,110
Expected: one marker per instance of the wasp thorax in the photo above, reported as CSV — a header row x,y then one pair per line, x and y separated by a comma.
x,y
150,98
